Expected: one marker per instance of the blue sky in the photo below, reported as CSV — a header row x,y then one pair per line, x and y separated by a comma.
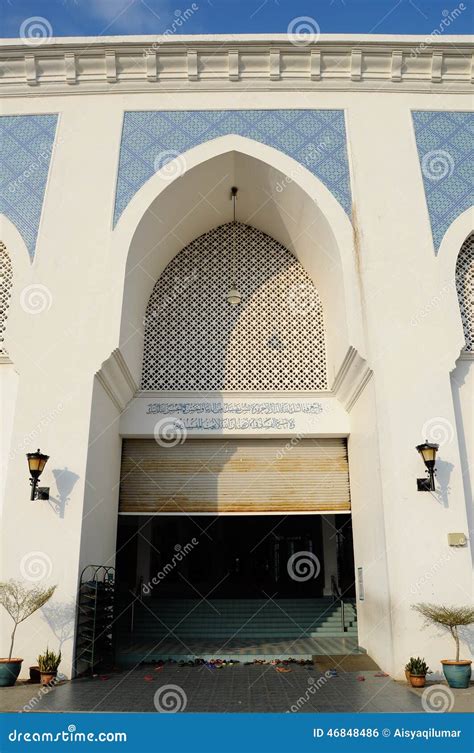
x,y
106,17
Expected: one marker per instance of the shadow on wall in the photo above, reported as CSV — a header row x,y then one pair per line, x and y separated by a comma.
x,y
65,483
60,616
443,475
466,635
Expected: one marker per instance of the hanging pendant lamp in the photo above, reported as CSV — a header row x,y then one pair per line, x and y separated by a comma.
x,y
234,297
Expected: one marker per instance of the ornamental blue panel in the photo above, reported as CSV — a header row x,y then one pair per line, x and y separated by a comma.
x,y
315,138
445,148
25,155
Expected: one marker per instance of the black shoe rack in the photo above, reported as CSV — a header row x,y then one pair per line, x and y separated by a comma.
x,y
95,616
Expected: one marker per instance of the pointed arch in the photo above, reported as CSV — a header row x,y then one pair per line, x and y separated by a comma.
x,y
6,283
277,196
196,341
465,290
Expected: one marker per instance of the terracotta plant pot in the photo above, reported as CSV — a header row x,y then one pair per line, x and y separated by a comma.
x,y
35,675
417,681
457,673
407,675
9,671
48,677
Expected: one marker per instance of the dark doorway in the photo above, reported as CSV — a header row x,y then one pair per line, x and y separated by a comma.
x,y
227,556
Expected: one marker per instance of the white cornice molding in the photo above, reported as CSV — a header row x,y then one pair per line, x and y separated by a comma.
x,y
257,62
117,380
351,379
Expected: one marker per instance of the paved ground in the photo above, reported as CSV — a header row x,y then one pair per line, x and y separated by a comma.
x,y
231,689
245,649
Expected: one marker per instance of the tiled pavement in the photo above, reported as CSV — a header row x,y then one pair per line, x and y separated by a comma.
x,y
242,688
245,649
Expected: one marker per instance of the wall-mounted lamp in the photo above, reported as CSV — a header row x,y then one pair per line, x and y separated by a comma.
x,y
36,464
428,452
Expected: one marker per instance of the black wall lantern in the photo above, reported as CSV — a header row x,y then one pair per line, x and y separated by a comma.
x,y
36,464
428,452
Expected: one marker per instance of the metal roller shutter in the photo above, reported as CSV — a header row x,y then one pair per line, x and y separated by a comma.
x,y
235,475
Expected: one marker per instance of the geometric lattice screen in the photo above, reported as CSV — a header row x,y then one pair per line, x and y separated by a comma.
x,y
273,340
6,279
465,289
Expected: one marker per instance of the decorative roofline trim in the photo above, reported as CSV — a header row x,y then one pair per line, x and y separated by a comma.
x,y
215,63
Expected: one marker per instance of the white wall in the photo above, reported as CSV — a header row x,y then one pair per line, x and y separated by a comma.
x,y
369,532
8,391
400,534
462,382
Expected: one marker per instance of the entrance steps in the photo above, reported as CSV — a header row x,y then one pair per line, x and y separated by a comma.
x,y
248,621
246,629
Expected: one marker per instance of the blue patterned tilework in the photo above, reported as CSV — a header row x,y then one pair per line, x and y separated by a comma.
x,y
445,143
315,138
26,143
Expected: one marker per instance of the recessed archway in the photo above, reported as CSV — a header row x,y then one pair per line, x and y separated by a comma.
x,y
276,195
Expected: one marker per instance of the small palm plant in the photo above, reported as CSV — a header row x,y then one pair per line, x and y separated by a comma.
x,y
21,602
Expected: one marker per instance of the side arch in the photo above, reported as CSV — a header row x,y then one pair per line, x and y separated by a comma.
x,y
449,251
15,248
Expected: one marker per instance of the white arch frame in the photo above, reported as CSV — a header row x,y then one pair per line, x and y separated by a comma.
x,y
22,266
448,254
338,222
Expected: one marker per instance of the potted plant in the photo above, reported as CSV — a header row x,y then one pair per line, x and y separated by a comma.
x,y
48,664
418,671
35,677
408,668
20,602
457,671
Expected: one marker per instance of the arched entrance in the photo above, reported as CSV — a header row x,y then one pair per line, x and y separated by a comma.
x,y
299,214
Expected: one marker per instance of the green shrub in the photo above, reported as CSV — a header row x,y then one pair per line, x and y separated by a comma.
x,y
417,666
49,661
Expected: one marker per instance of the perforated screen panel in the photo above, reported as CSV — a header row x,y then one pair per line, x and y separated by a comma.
x,y
465,289
273,340
6,279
